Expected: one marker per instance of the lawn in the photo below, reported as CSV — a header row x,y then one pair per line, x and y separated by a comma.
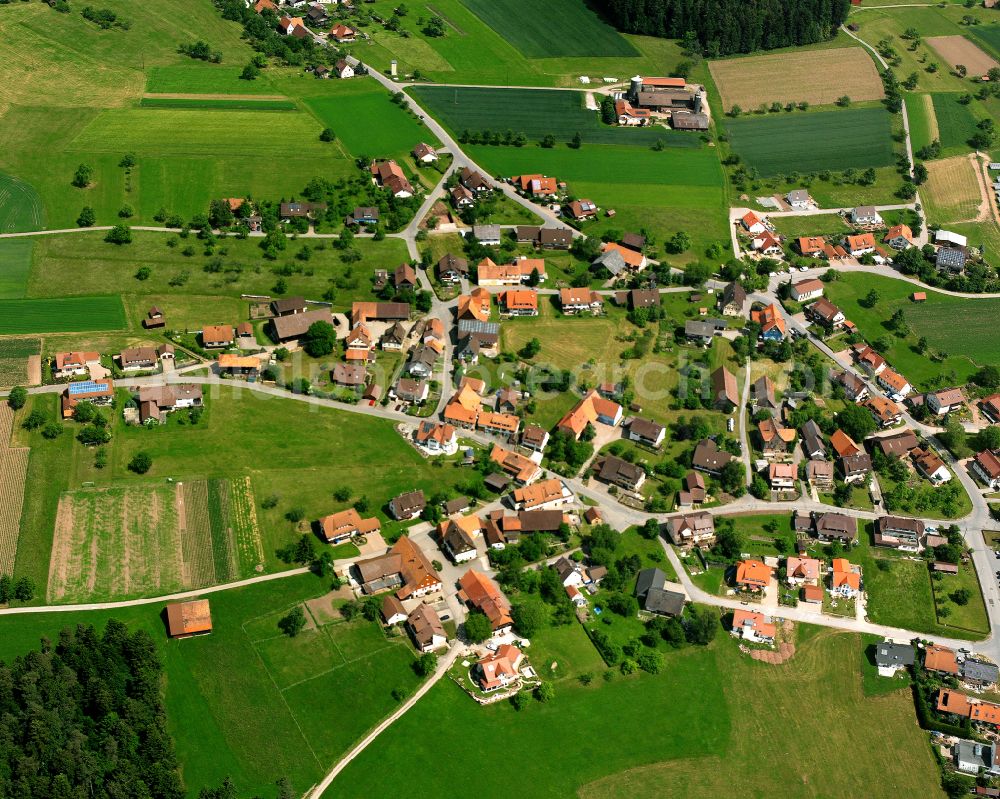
x,y
62,315
536,113
558,28
971,616
922,119
811,142
15,265
696,742
212,683
968,345
793,227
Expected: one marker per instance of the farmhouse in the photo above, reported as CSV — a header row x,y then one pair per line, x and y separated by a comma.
x,y
629,115
986,466
479,592
685,120
425,626
70,364
806,290
634,261
390,176
288,306
288,329
344,525
709,458
155,402
486,234
663,94
185,619
98,392
592,408
574,301
404,568
457,537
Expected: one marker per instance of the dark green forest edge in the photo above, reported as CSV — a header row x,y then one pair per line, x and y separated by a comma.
x,y
726,27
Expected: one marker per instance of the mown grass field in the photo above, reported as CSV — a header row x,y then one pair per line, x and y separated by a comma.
x,y
20,206
987,35
232,708
536,113
216,104
817,77
558,28
952,192
61,315
204,78
956,122
15,266
968,345
779,144
757,718
923,120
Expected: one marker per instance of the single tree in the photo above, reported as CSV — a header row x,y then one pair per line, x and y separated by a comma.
x,y
291,623
17,397
141,462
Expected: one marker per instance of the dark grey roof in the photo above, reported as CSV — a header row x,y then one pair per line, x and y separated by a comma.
x,y
667,603
695,328
950,258
647,579
634,241
812,439
888,653
980,671
611,260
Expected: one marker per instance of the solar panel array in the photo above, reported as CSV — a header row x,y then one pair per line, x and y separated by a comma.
x,y
86,387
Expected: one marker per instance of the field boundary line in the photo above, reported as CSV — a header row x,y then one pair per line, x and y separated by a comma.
x,y
346,662
212,96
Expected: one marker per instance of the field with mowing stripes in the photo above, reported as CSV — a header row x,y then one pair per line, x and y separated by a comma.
x,y
834,140
535,113
818,77
923,121
62,315
217,104
553,29
204,79
20,206
956,122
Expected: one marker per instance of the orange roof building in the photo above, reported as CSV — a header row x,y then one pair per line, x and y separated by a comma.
x,y
843,444
537,185
185,619
479,591
475,305
844,577
769,319
541,494
752,625
753,575
522,469
339,527
950,701
500,668
520,302
592,408
633,260
502,423
940,658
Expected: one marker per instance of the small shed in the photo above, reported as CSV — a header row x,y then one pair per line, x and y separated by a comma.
x,y
185,619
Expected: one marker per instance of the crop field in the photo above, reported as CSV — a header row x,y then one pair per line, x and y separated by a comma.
x,y
14,354
223,549
714,710
204,79
988,35
811,142
13,471
246,528
217,104
923,120
956,122
553,29
959,50
20,207
15,265
817,77
952,192
62,315
536,113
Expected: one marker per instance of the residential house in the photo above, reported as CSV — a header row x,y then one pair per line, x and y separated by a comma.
x,y
898,445
515,273
437,438
342,69
891,657
820,474
569,572
487,234
581,209
458,537
929,464
973,757
767,243
990,407
288,329
694,491
405,277
393,338
752,626
772,323
898,532
534,438
860,245
733,300
634,261
479,592
843,444
592,408
806,290
941,659
845,578
950,259
752,223
654,597
899,237
340,527
826,313
474,181
703,331
425,626
543,495
885,412
980,673
638,298
799,571
461,197
154,319
390,176
725,392
832,526
425,154
499,669
775,438
645,431
536,185
519,302
854,387
407,506
504,425
72,364
634,241
403,569
615,471
555,238
692,529
986,466
709,458
217,336
798,199
951,701
753,575
393,612
185,619
98,392
475,305
289,211
893,383
812,440
581,300
522,469
411,391
866,216
781,476
856,468
288,25
762,394
349,375
421,363
451,269
341,33
945,400
155,402
868,359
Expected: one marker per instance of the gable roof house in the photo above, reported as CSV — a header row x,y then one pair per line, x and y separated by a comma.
x,y
654,597
845,578
291,328
480,592
856,468
930,465
945,400
581,209
725,393
645,431
866,215
407,506
393,611
404,568
820,474
341,526
752,626
854,387
519,302
860,245
424,153
592,408
762,394
437,437
781,476
522,469
474,181
451,269
499,669
752,223
68,364
733,300
409,390
457,537
893,383
99,392
898,532
634,261
986,466
709,458
885,412
615,471
185,619
836,527
216,336
534,437
899,237
753,575
801,570
806,290
812,440
772,323
890,657
425,626
868,359
826,313
898,445
390,176
543,495
692,529
580,300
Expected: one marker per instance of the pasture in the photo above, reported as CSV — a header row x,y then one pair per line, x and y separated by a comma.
x,y
817,77
554,29
835,140
62,315
968,346
536,113
956,122
15,265
988,35
217,103
14,354
955,50
20,209
746,711
952,192
203,78
213,682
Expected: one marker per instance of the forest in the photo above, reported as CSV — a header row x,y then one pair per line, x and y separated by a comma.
x,y
725,27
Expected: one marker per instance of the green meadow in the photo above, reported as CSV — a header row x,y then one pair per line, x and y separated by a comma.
x,y
61,315
15,266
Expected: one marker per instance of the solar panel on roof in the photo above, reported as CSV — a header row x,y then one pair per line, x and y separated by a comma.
x,y
86,387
